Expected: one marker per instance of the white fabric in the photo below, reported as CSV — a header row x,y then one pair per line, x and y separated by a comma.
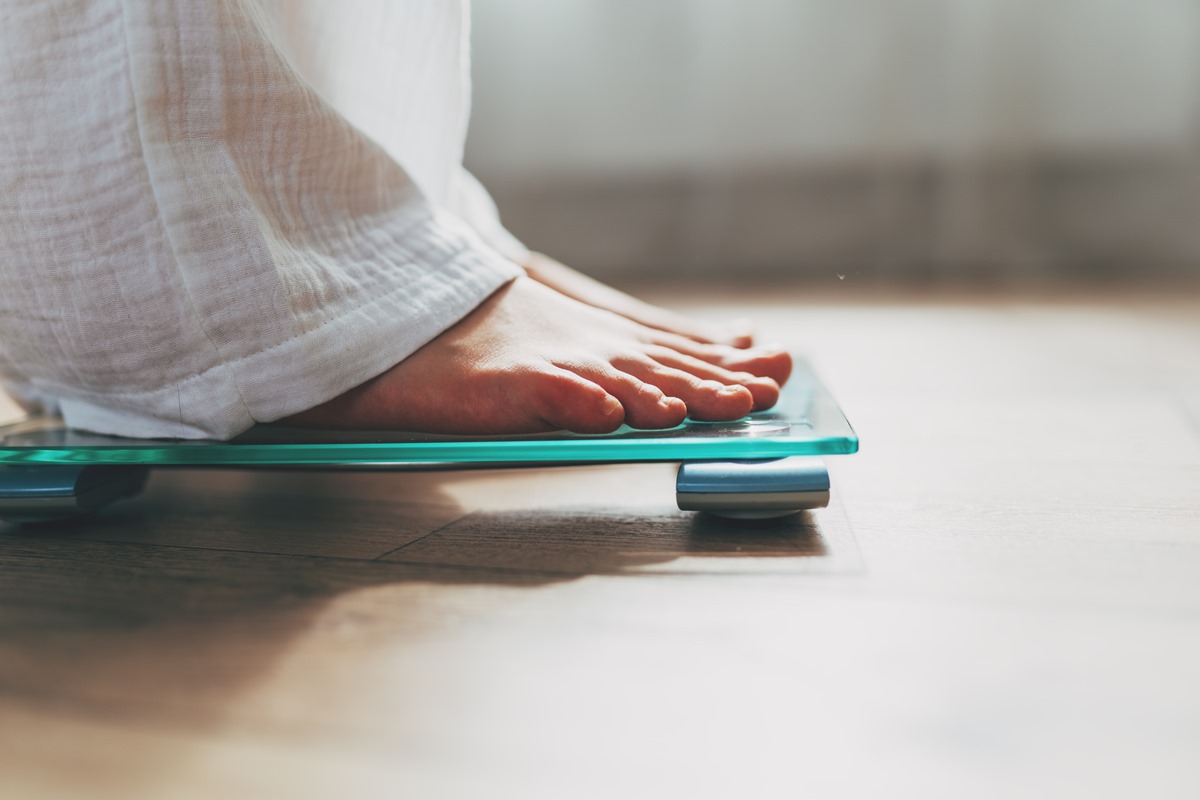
x,y
204,217
400,73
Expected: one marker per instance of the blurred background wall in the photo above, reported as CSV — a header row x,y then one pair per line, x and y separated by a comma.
x,y
905,140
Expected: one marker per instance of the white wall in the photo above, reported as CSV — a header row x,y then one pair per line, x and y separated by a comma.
x,y
597,87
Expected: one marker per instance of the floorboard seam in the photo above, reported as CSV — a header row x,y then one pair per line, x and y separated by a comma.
x,y
423,537
152,545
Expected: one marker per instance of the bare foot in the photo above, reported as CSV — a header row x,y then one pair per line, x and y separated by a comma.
x,y
556,275
530,359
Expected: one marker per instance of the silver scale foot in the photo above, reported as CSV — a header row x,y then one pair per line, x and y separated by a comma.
x,y
735,489
753,489
46,493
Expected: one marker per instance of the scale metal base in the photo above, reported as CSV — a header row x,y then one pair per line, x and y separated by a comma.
x,y
750,489
65,491
753,489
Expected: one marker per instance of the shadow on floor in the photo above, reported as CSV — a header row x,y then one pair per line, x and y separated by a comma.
x,y
171,610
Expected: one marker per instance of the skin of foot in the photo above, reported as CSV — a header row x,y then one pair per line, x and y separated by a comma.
x,y
531,359
552,273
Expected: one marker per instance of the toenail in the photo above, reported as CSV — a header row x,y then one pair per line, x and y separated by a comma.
x,y
611,406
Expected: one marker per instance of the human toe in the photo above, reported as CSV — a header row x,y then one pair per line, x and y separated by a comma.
x,y
565,400
772,362
764,390
645,404
706,399
765,361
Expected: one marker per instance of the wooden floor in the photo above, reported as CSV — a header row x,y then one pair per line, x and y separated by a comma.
x,y
1002,600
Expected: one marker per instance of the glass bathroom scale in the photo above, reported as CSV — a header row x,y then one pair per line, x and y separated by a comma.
x,y
42,461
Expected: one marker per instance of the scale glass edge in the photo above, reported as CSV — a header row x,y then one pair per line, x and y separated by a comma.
x,y
814,423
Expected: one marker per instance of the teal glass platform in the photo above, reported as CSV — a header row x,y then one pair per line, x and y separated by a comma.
x,y
806,421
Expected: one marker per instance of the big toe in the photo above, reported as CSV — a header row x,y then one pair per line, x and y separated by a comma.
x,y
566,401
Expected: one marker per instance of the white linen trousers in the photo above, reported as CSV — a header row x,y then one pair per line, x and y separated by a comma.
x,y
221,212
